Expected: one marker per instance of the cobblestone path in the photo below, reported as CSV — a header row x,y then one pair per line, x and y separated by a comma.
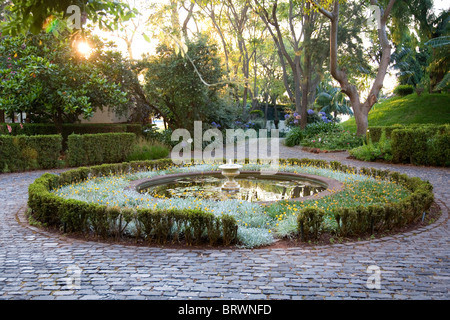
x,y
38,265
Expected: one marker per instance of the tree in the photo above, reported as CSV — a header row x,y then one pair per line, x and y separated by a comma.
x,y
42,76
176,88
331,100
360,109
295,51
32,15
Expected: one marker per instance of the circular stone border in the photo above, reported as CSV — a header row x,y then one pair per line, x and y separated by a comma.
x,y
332,185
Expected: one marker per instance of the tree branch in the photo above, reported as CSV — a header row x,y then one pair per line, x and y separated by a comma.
x,y
326,13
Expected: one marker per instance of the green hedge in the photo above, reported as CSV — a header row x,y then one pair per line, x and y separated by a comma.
x,y
90,149
404,90
32,129
194,226
375,132
374,218
422,146
19,153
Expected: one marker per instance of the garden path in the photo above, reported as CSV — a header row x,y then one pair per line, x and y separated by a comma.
x,y
38,265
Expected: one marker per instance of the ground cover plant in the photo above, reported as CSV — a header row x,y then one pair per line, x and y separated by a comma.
x,y
371,201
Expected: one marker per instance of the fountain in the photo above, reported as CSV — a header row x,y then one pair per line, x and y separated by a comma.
x,y
230,171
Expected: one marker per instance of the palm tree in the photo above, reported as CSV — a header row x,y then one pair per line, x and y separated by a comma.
x,y
332,101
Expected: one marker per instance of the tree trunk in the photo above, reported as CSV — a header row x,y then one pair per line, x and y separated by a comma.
x,y
360,110
361,118
303,112
2,116
58,121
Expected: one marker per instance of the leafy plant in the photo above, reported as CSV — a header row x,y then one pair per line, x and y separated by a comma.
x,y
294,137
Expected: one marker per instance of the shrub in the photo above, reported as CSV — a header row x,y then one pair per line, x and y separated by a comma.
x,y
294,137
423,145
374,133
333,140
309,222
32,129
313,129
99,148
404,90
18,153
372,151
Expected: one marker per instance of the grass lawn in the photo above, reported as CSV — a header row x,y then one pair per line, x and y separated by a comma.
x,y
426,108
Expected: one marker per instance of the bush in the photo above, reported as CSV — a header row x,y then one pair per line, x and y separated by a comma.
x,y
404,90
19,153
313,129
423,145
32,129
309,222
373,151
333,140
294,137
99,148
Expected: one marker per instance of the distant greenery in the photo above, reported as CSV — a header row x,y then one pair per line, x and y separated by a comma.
x,y
426,108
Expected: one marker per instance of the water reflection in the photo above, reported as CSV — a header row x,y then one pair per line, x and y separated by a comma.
x,y
252,189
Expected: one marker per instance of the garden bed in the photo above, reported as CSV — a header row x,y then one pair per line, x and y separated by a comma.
x,y
92,202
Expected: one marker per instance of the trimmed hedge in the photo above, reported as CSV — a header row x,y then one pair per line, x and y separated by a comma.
x,y
422,146
309,221
363,220
158,226
19,153
91,149
404,90
196,226
32,129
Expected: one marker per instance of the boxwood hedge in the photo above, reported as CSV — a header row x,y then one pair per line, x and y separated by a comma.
x,y
196,226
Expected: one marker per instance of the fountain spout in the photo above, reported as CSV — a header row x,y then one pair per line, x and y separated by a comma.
x,y
230,171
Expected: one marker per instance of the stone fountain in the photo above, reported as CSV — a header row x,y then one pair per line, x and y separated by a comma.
x,y
230,171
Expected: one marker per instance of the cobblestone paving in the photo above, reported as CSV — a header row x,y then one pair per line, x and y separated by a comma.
x,y
38,265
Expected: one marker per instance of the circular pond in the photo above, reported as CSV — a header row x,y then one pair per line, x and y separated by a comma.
x,y
253,186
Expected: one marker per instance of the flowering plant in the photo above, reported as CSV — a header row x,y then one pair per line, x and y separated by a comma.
x,y
292,120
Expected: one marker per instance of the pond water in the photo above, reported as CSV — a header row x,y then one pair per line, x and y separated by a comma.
x,y
253,188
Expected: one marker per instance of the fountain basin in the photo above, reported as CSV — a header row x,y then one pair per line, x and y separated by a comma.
x,y
254,186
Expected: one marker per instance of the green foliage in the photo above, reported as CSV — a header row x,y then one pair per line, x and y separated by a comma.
x,y
404,90
183,93
50,15
333,140
148,150
32,129
19,153
331,100
45,77
421,146
99,148
371,151
309,223
294,137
